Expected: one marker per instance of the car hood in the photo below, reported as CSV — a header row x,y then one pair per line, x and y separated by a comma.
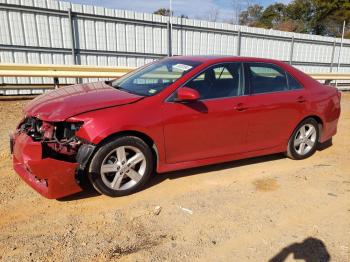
x,y
65,102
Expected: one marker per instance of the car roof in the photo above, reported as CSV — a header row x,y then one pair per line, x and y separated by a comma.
x,y
223,58
207,60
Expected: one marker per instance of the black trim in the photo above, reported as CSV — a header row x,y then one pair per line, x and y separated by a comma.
x,y
11,144
84,153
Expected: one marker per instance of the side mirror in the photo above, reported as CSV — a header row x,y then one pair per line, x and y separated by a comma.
x,y
186,94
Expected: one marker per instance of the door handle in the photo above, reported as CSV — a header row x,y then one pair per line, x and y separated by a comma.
x,y
301,99
240,107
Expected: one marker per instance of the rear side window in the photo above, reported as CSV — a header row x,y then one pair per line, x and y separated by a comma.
x,y
266,78
293,83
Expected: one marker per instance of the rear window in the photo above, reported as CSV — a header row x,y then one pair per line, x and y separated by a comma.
x,y
266,78
293,83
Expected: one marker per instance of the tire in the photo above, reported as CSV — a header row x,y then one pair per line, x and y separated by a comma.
x,y
303,144
121,166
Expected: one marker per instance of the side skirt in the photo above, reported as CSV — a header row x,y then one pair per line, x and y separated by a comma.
x,y
162,168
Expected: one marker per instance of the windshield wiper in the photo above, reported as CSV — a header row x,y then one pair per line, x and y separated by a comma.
x,y
118,87
124,89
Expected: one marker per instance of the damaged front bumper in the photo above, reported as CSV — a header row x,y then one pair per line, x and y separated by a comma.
x,y
52,178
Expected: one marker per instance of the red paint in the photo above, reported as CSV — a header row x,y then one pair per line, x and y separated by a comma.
x,y
185,134
203,129
51,178
62,103
187,94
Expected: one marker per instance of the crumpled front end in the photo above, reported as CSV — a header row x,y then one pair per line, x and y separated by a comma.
x,y
45,156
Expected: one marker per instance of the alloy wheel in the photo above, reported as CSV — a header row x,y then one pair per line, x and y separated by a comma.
x,y
123,168
305,139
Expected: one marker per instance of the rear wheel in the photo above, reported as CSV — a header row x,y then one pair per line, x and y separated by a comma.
x,y
304,140
121,167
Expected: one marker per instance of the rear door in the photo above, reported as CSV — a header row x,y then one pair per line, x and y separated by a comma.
x,y
214,125
275,105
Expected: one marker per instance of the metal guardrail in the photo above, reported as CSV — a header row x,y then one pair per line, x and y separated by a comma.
x,y
55,71
330,76
82,71
132,43
85,71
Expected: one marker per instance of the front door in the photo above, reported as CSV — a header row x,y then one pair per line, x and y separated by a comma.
x,y
213,126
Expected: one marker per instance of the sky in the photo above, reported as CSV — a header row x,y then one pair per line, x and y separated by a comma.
x,y
200,9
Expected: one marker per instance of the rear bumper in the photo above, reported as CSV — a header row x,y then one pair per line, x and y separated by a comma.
x,y
50,177
328,131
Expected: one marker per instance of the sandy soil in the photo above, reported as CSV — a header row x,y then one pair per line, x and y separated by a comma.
x,y
249,210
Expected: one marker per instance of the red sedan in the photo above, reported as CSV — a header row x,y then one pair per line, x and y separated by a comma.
x,y
176,113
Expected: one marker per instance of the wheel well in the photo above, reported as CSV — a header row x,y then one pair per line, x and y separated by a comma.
x,y
149,141
318,120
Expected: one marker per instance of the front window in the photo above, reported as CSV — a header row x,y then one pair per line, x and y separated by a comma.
x,y
223,80
155,77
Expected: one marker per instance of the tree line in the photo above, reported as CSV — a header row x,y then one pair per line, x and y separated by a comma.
x,y
320,17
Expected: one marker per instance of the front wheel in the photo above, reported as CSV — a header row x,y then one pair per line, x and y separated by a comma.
x,y
304,140
121,166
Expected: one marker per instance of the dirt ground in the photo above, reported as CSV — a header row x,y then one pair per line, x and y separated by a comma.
x,y
251,210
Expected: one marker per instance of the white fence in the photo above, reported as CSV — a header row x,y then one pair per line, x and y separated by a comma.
x,y
54,32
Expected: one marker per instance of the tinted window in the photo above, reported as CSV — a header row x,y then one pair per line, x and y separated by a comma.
x,y
223,80
292,83
266,78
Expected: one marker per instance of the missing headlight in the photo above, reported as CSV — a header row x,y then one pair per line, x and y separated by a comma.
x,y
65,131
58,139
64,144
31,126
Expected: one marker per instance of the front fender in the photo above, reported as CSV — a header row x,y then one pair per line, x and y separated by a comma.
x,y
101,124
95,131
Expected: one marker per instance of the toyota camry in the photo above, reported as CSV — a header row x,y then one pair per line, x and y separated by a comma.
x,y
175,113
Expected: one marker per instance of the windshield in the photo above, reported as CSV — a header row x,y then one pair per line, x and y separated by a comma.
x,y
153,78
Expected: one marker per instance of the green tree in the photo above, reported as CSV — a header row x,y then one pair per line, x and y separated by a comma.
x,y
162,11
323,17
273,15
329,17
300,13
251,16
